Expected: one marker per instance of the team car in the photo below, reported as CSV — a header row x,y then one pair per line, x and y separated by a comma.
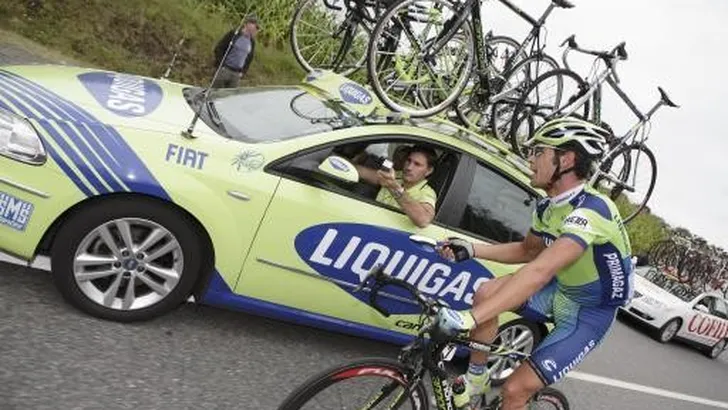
x,y
145,193
673,310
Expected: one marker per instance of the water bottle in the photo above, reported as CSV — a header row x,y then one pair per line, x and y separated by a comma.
x,y
461,398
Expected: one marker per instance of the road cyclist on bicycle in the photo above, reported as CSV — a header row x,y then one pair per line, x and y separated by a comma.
x,y
576,273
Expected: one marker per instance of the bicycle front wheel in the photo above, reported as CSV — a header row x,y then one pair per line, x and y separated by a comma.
x,y
403,69
629,175
366,384
329,36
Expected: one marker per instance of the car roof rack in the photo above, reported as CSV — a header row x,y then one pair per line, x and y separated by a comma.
x,y
358,101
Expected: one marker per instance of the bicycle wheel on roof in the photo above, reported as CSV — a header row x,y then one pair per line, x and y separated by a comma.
x,y
404,72
329,35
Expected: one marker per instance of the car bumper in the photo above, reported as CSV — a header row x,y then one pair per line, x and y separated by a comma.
x,y
644,312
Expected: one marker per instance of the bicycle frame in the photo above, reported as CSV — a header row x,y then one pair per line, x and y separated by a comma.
x,y
533,35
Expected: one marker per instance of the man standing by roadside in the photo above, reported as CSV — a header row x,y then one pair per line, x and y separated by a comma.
x,y
235,63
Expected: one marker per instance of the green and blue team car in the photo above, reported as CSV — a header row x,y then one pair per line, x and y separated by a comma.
x,y
145,192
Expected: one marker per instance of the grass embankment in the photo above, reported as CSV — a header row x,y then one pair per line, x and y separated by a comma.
x,y
140,36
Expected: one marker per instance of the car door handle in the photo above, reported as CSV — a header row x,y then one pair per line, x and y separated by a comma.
x,y
238,195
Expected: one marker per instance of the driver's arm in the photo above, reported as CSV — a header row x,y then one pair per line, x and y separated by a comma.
x,y
367,175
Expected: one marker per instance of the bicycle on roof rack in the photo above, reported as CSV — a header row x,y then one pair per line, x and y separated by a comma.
x,y
333,34
620,170
380,383
422,52
512,66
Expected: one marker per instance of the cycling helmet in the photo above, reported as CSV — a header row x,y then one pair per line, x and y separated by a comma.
x,y
570,131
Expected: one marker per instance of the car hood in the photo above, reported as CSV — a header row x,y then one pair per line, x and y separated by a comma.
x,y
107,97
648,288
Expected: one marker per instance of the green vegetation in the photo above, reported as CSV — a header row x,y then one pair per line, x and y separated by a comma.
x,y
140,36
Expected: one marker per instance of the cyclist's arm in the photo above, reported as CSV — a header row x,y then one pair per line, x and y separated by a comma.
x,y
514,252
530,278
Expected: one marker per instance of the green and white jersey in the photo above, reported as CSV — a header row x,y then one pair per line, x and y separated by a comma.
x,y
602,276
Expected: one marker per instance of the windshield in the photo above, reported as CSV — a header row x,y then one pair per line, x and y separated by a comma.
x,y
668,283
268,114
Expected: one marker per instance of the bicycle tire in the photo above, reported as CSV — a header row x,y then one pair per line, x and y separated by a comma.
x,y
377,81
463,106
626,174
548,395
505,107
390,371
526,110
344,46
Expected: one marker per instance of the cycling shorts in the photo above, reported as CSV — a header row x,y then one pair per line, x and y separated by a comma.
x,y
578,330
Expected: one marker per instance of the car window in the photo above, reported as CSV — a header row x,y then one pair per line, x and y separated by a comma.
x,y
707,302
668,283
368,153
497,208
268,114
720,309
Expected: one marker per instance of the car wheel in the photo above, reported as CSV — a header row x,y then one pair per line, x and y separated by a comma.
x,y
521,335
668,330
716,350
126,259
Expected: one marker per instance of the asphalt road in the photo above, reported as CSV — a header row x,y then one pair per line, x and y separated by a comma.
x,y
53,357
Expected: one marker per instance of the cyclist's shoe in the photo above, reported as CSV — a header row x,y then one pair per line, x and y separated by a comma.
x,y
475,386
453,323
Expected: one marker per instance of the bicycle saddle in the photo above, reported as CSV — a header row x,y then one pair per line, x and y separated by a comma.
x,y
563,4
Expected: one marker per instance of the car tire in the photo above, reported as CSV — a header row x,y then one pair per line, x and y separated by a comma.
x,y
156,276
522,334
717,349
668,331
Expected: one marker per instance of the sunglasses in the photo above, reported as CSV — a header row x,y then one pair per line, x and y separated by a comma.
x,y
537,150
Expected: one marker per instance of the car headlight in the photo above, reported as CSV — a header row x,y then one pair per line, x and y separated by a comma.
x,y
653,302
19,141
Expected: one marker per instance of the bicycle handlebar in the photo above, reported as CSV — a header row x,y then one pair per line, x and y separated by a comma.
x,y
381,279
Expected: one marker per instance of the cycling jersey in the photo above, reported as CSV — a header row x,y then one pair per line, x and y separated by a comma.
x,y
602,275
582,299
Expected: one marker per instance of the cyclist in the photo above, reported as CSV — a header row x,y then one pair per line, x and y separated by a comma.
x,y
576,273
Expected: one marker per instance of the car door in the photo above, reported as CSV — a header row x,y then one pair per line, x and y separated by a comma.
x,y
320,236
700,324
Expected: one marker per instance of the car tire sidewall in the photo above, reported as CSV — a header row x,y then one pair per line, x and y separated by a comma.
x,y
532,327
661,331
82,222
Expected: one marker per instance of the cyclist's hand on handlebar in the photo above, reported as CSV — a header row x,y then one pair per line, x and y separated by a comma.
x,y
456,250
453,323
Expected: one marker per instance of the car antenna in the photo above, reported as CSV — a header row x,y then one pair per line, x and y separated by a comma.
x,y
206,92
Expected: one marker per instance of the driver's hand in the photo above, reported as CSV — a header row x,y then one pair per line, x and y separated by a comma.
x,y
456,250
387,179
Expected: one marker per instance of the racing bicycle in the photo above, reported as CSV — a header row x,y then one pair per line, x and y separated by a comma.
x,y
381,383
628,166
422,52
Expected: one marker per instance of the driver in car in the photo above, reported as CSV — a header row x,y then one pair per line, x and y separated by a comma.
x,y
408,189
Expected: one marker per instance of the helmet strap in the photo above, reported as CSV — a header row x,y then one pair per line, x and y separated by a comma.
x,y
558,172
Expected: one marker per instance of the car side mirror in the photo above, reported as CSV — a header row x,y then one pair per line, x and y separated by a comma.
x,y
339,168
701,308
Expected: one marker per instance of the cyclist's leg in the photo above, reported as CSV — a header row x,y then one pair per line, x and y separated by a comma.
x,y
536,309
579,329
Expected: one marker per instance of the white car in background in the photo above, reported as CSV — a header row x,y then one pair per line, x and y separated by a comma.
x,y
675,311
